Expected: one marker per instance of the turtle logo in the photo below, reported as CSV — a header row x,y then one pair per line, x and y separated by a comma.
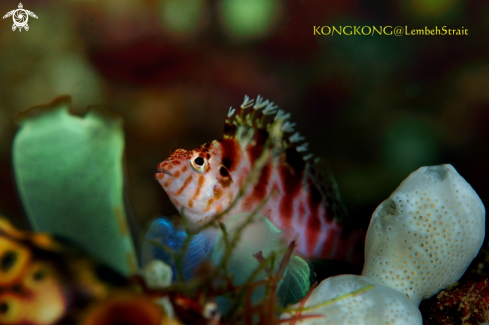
x,y
20,16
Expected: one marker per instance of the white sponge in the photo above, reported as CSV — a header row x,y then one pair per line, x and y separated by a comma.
x,y
379,305
424,236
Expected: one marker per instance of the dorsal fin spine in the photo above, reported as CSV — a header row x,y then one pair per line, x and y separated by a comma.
x,y
270,109
260,103
231,112
238,118
260,120
256,119
281,114
250,117
229,127
288,126
307,157
302,147
247,102
296,137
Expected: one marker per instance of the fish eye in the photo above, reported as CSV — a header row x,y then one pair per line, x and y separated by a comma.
x,y
199,164
199,161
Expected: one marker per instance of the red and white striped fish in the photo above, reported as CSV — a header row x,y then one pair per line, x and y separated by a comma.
x,y
206,180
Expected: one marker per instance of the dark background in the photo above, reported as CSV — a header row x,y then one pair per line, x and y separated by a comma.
x,y
374,107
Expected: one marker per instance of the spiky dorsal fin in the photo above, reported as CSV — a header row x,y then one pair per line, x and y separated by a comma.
x,y
256,121
262,119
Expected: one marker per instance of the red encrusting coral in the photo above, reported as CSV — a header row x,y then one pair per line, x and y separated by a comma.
x,y
465,304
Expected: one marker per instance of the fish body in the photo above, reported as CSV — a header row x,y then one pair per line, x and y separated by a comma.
x,y
207,180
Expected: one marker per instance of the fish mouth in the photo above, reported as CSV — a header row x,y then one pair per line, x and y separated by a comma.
x,y
162,170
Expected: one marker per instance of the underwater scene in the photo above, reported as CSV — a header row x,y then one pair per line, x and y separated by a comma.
x,y
297,162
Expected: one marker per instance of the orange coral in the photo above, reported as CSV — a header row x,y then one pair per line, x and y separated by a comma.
x,y
126,307
42,278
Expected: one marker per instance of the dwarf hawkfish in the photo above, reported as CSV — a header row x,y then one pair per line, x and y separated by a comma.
x,y
205,181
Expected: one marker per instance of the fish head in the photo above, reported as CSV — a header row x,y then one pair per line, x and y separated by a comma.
x,y
197,182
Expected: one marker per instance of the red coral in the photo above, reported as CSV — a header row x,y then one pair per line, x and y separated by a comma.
x,y
465,304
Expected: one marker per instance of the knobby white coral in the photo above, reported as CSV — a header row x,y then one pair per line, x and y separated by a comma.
x,y
420,240
378,305
424,236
